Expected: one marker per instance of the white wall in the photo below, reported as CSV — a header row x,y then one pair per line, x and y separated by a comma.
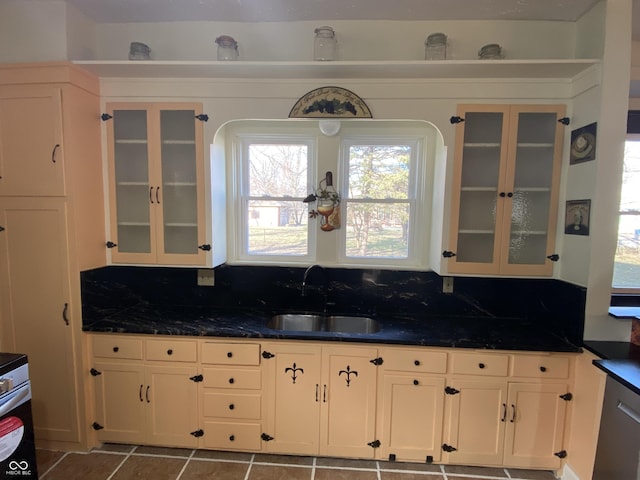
x,y
81,36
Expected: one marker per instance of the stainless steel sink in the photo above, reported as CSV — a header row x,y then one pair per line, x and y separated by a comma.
x,y
304,322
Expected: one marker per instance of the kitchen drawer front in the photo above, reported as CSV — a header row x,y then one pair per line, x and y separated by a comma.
x,y
232,436
232,405
540,366
414,360
172,350
480,364
232,377
231,353
112,346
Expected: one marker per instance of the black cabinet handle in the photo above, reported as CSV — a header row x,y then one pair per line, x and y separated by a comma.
x,y
231,406
231,380
502,194
65,310
229,354
170,352
115,349
150,193
140,392
53,153
513,416
481,365
157,198
317,391
232,438
147,394
416,382
417,363
504,412
324,394
543,369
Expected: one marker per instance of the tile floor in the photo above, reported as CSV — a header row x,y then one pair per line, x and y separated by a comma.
x,y
128,462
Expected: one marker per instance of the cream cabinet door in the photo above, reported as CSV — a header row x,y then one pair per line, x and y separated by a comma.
x,y
31,143
476,423
120,402
171,398
294,394
412,412
535,425
156,177
505,189
37,314
348,412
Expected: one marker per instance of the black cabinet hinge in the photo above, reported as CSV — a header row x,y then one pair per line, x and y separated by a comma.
x,y
429,459
1,228
392,457
198,433
95,372
567,397
448,448
451,391
561,454
374,444
196,378
203,117
448,254
266,438
96,426
105,116
377,361
554,257
205,247
110,244
564,120
267,355
455,119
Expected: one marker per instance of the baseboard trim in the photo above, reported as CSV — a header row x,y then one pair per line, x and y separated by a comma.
x,y
568,473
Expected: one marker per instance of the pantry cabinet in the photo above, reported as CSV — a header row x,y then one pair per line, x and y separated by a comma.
x,y
146,391
504,200
156,184
51,228
322,399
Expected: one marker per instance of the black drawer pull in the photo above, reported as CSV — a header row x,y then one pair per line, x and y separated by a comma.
x,y
417,363
231,380
229,354
170,352
231,406
232,438
481,365
115,349
543,369
416,382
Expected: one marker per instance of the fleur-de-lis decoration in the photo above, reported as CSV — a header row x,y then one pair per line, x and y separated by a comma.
x,y
348,372
294,370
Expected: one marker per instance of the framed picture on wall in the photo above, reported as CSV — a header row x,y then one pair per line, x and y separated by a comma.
x,y
583,144
576,220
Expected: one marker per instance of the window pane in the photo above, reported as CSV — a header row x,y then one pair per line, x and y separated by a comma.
x,y
379,171
277,170
626,272
377,230
277,228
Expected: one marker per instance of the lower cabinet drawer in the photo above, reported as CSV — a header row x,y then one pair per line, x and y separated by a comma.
x,y
232,436
231,353
420,361
540,366
231,377
480,364
112,346
172,350
232,405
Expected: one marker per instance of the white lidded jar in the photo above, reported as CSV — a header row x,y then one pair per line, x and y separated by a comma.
x,y
227,48
325,45
436,47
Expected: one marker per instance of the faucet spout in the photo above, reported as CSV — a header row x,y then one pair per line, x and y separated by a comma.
x,y
307,273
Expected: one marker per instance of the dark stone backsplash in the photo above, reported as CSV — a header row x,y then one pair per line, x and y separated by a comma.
x,y
553,305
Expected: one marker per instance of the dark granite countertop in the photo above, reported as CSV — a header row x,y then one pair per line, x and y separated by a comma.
x,y
620,360
459,332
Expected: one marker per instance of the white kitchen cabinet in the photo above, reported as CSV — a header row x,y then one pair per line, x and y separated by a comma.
x,y
148,398
321,399
157,184
504,200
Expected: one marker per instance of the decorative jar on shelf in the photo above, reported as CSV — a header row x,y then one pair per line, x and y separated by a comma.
x,y
227,48
325,45
435,47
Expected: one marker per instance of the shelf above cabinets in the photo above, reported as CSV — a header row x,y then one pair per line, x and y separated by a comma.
x,y
536,68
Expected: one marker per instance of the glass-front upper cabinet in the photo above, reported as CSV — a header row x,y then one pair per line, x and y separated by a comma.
x,y
505,189
156,170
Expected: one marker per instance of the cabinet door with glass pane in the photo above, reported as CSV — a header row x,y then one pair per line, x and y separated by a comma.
x,y
156,170
505,189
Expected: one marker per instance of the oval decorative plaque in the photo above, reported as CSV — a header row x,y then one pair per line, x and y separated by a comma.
x,y
330,102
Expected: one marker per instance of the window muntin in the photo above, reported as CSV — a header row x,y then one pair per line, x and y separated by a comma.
x,y
626,273
379,199
274,181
